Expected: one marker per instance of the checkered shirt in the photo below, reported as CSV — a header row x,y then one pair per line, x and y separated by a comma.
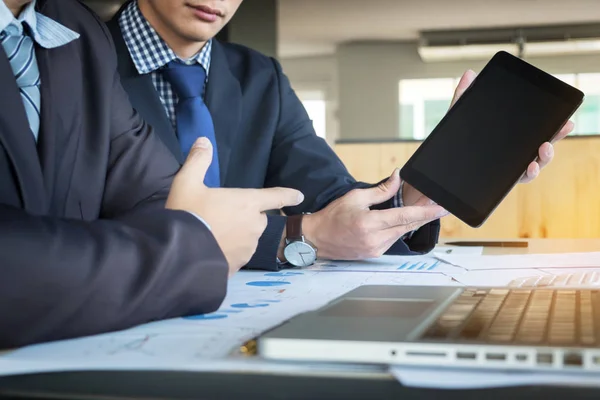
x,y
150,54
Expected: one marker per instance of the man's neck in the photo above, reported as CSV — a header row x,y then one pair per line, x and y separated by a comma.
x,y
184,49
15,6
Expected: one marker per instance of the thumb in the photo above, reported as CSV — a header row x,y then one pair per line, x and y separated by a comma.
x,y
199,159
382,192
465,81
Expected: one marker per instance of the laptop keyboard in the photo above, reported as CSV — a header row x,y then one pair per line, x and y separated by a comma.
x,y
524,316
571,279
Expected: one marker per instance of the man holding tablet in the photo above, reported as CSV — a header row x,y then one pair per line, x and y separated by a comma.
x,y
264,137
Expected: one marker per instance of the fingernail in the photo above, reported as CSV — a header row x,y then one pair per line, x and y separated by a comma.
x,y
202,143
549,151
300,197
443,213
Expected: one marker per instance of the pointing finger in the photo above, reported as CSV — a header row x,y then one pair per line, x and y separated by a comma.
x,y
276,198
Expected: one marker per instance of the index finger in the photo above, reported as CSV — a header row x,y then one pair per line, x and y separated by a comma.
x,y
405,216
275,198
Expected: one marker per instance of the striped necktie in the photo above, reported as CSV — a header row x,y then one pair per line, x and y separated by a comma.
x,y
20,51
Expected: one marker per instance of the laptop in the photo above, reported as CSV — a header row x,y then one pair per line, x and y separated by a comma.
x,y
494,328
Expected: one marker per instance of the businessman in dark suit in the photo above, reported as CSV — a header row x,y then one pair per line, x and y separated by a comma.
x,y
86,244
168,59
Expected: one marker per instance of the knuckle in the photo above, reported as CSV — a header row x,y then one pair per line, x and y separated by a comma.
x,y
404,219
412,227
383,186
281,203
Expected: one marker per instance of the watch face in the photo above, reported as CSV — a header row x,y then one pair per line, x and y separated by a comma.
x,y
300,254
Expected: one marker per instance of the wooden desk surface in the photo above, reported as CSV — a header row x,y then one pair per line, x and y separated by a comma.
x,y
540,246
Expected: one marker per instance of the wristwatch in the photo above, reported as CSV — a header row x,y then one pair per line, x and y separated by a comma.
x,y
298,251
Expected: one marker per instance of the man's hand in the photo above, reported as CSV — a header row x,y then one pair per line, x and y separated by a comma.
x,y
545,153
236,216
348,230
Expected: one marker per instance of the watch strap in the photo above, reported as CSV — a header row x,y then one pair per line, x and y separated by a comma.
x,y
294,228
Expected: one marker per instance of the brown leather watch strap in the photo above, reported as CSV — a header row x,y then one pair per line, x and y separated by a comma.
x,y
294,227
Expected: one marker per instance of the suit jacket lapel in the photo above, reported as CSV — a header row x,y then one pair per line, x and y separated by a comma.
x,y
224,100
61,117
50,134
17,139
142,93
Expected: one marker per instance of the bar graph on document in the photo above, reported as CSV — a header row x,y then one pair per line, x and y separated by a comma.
x,y
429,265
395,264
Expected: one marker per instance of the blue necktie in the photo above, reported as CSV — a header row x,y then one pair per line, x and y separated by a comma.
x,y
192,114
21,55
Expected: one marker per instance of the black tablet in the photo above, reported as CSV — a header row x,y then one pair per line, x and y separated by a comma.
x,y
484,144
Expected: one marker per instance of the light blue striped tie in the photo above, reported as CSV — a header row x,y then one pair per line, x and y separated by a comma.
x,y
21,55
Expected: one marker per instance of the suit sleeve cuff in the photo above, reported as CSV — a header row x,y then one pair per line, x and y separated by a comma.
x,y
399,202
201,220
265,257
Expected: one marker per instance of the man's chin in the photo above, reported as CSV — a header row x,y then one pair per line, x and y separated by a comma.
x,y
200,35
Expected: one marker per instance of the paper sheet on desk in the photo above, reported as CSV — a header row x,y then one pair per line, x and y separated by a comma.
x,y
535,261
438,378
458,250
256,301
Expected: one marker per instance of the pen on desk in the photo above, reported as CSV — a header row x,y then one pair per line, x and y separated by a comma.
x,y
488,244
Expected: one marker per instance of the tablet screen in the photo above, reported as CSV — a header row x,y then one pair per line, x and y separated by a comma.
x,y
481,149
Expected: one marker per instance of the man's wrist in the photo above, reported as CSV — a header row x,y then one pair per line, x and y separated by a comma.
x,y
201,220
306,231
310,230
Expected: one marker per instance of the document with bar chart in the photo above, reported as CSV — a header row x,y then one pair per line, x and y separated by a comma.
x,y
400,264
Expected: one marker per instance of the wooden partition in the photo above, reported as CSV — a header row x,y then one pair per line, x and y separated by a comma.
x,y
564,202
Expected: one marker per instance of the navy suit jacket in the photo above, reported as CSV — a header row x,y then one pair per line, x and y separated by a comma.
x,y
86,245
264,137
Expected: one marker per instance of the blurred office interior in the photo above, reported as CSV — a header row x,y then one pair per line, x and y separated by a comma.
x,y
377,76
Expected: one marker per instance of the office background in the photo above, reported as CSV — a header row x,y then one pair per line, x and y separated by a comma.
x,y
377,76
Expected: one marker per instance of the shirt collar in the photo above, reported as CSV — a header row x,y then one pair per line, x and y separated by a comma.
x,y
148,50
45,31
